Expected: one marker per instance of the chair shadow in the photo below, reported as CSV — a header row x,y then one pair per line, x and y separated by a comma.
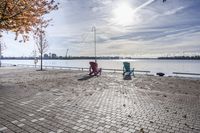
x,y
127,77
86,77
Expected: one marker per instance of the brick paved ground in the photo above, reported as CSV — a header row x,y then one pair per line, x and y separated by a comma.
x,y
104,104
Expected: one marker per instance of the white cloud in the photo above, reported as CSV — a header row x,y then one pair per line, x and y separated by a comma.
x,y
154,27
174,11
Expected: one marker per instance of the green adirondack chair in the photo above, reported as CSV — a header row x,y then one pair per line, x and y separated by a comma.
x,y
127,70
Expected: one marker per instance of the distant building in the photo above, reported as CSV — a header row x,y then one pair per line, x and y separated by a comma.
x,y
60,57
46,56
54,56
50,55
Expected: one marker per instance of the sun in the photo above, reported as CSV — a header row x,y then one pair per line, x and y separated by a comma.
x,y
123,14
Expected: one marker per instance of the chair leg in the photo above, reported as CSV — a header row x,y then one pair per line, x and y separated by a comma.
x,y
91,73
133,74
130,73
98,72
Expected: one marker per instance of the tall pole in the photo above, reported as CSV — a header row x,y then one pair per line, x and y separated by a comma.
x,y
94,29
67,53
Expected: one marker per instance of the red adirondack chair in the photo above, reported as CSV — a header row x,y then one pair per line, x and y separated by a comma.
x,y
94,69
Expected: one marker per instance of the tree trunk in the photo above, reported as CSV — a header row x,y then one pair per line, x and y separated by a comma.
x,y
41,62
41,43
0,54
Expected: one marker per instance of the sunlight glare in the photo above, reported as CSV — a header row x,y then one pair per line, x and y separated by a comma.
x,y
123,14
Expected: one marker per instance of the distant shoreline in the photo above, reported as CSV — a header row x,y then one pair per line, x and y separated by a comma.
x,y
100,59
196,57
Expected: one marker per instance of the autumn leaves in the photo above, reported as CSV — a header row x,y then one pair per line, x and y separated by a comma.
x,y
24,16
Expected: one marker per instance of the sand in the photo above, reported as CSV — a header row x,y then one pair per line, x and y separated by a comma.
x,y
79,83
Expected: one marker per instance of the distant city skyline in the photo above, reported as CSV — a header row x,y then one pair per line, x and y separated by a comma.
x,y
144,28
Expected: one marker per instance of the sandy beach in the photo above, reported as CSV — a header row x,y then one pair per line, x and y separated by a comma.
x,y
143,104
78,82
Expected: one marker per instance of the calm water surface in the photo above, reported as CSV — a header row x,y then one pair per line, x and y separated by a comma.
x,y
153,65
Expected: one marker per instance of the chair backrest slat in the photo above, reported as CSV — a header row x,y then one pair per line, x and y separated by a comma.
x,y
127,66
94,66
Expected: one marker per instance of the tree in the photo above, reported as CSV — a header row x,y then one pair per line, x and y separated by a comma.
x,y
2,48
41,42
21,16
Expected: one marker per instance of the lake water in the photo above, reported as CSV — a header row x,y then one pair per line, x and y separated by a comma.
x,y
153,65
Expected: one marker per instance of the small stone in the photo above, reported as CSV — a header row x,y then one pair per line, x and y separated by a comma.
x,y
142,130
185,116
129,116
151,121
175,112
124,105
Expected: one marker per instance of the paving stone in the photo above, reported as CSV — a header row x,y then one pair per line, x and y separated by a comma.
x,y
51,111
20,125
22,120
60,131
75,128
34,120
14,122
3,128
81,129
41,119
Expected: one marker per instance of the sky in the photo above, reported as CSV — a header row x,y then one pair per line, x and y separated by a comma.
x,y
137,28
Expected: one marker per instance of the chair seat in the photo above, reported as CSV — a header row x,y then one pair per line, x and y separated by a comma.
x,y
94,70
